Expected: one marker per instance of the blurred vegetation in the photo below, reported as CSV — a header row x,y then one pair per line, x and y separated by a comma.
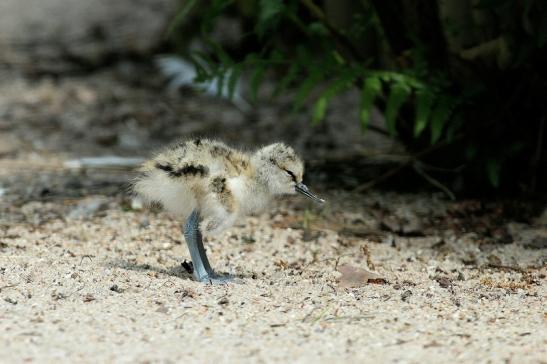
x,y
462,83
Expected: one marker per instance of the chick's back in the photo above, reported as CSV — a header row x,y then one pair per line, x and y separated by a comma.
x,y
180,176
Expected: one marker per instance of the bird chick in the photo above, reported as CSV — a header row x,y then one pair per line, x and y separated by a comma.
x,y
210,185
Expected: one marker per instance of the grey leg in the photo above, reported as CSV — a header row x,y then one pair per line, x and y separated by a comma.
x,y
202,269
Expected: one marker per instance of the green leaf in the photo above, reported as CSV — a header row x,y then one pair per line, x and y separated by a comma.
x,y
305,88
268,16
317,28
338,57
287,79
372,87
493,169
206,62
213,10
399,94
221,54
343,83
256,79
424,104
179,18
233,77
442,112
202,72
220,77
320,109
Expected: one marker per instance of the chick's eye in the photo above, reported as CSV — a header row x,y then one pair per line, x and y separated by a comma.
x,y
291,175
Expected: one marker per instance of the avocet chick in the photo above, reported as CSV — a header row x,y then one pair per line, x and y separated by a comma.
x,y
210,185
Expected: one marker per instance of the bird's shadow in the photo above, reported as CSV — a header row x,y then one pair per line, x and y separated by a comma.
x,y
178,270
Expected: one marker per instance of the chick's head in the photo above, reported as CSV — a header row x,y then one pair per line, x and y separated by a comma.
x,y
279,168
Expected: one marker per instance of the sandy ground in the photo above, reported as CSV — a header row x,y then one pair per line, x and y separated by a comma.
x,y
86,275
110,288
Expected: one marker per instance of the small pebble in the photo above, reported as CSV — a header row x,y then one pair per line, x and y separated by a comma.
x,y
406,294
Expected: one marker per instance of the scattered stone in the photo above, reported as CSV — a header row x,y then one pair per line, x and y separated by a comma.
x,y
390,223
469,258
10,300
539,242
116,289
88,207
162,309
438,245
406,295
494,260
501,235
432,344
389,240
357,277
247,239
223,301
310,235
403,222
57,296
444,282
529,236
186,292
88,297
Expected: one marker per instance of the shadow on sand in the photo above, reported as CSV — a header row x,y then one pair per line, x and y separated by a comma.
x,y
179,270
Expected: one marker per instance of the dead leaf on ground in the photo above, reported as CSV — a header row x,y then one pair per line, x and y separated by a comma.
x,y
281,264
357,277
366,253
88,297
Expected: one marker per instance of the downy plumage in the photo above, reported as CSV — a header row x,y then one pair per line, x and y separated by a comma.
x,y
219,183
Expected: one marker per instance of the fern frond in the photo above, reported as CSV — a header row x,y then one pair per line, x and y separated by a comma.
x,y
424,104
441,114
305,88
269,14
372,87
181,15
256,79
286,81
233,77
343,83
397,97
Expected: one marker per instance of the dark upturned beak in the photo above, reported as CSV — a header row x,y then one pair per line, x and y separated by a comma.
x,y
303,189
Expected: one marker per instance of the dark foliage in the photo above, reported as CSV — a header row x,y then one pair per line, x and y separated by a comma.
x,y
461,83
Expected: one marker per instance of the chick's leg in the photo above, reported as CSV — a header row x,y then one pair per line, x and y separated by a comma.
x,y
202,269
